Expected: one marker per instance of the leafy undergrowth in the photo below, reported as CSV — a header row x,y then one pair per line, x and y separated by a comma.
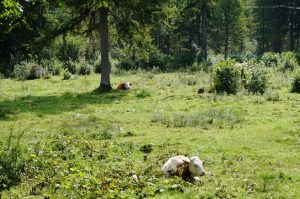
x,y
79,144
71,167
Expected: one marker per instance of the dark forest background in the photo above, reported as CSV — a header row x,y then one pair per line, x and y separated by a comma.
x,y
166,35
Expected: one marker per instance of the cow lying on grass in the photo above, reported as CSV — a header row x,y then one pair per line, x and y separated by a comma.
x,y
187,168
124,86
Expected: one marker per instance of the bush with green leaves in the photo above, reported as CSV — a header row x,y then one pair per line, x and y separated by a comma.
x,y
21,71
226,77
214,59
71,67
83,67
12,161
52,66
160,60
296,81
28,70
257,80
288,61
36,71
67,75
270,59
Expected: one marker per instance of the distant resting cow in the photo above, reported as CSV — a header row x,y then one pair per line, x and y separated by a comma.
x,y
124,86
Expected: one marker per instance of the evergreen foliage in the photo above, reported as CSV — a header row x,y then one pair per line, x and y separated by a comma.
x,y
167,34
226,77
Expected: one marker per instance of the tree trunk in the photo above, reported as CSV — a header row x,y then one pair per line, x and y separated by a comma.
x,y
105,84
292,20
263,29
200,35
226,35
204,31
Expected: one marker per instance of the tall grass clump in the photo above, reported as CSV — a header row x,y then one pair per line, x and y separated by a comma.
x,y
296,81
11,161
226,77
142,94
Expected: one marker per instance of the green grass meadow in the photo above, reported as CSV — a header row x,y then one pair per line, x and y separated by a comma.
x,y
77,143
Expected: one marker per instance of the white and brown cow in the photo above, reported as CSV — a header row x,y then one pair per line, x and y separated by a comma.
x,y
124,86
187,168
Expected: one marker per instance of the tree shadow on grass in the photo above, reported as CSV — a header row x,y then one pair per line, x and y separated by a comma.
x,y
56,104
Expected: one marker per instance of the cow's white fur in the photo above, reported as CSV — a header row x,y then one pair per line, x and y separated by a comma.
x,y
174,163
127,85
195,166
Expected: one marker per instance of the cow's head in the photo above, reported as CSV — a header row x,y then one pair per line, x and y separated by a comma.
x,y
196,166
128,85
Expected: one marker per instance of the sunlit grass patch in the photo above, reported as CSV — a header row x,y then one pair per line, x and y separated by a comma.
x,y
80,143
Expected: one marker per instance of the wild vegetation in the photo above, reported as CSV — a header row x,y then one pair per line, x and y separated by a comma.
x,y
219,79
60,139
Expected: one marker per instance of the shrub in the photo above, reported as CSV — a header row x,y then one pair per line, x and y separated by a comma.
x,y
159,60
257,80
28,70
202,66
71,67
270,59
11,162
84,68
36,71
67,75
21,71
52,66
226,77
288,61
296,81
215,59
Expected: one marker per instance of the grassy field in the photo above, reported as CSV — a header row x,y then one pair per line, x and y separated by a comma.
x,y
80,144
